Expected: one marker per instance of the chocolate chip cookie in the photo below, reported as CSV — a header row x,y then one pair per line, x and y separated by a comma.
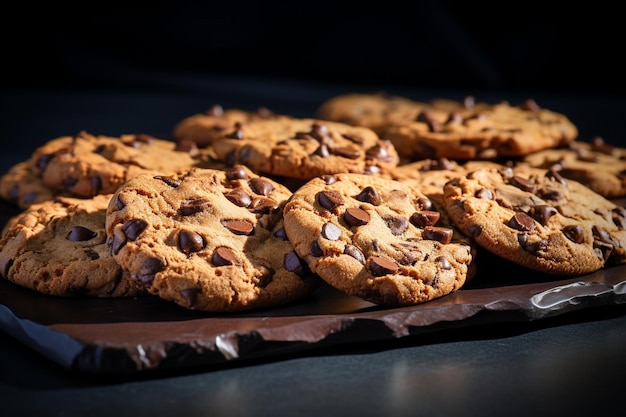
x,y
203,128
375,238
596,164
210,240
306,148
477,130
59,248
86,165
538,219
23,187
374,110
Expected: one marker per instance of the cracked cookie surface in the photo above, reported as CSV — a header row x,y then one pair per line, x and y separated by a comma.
x,y
207,239
376,238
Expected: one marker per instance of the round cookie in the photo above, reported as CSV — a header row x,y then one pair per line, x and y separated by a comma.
x,y
468,130
375,238
373,110
537,219
597,164
21,186
204,128
306,148
86,165
208,240
59,248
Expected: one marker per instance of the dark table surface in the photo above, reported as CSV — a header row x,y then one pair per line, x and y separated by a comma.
x,y
571,364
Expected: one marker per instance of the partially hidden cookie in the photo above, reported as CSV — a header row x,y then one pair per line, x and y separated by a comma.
x,y
59,248
86,165
375,238
209,240
374,110
477,130
23,187
596,164
537,219
204,128
306,148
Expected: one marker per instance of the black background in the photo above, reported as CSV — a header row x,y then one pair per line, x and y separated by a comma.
x,y
469,46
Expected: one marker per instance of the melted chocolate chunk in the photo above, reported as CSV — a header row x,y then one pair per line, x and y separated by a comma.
x,y
356,217
574,233
329,199
425,218
172,182
265,279
440,234
193,206
190,295
346,152
148,270
380,266
330,231
369,195
190,242
523,184
484,193
397,225
534,248
280,234
542,213
261,186
133,228
315,249
80,234
293,263
186,145
239,197
223,256
239,227
522,221
355,252
237,172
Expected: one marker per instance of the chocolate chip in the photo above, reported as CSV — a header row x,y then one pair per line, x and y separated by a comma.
x,y
574,233
522,221
535,247
329,179
6,267
223,256
237,172
190,295
427,117
193,206
264,205
43,161
315,249
380,266
618,215
133,228
353,138
356,217
425,218
443,262
522,183
329,199
346,152
322,151
397,225
280,234
454,117
239,227
30,197
190,242
144,138
69,182
116,243
96,184
330,231
265,278
237,133
119,202
484,193
475,230
172,182
80,234
91,254
293,263
542,213
550,194
554,175
439,234
378,152
424,203
355,252
239,197
148,270
261,186
369,195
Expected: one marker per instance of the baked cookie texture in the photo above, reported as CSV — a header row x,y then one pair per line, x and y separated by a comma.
x,y
596,164
23,187
204,128
537,219
469,130
375,238
59,248
86,165
373,110
306,148
210,240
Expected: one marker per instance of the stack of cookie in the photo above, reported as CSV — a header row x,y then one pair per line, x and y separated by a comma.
x,y
381,197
